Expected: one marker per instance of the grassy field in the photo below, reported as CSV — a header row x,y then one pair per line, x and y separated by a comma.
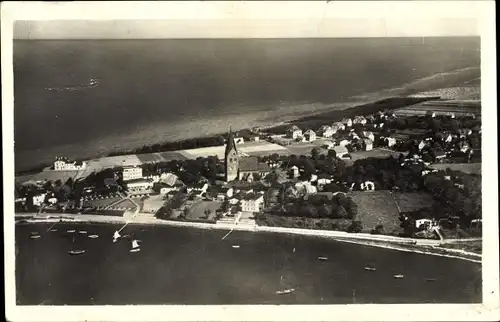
x,y
412,201
197,210
377,208
50,175
153,203
375,153
472,168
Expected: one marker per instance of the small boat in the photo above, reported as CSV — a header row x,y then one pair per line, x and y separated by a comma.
x,y
135,246
76,252
399,276
93,236
53,229
430,279
35,236
287,291
82,231
294,250
372,269
71,230
321,258
116,236
236,246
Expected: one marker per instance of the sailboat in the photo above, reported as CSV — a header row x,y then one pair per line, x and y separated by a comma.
x,y
399,276
116,236
76,251
35,235
372,269
135,246
287,291
93,236
236,246
322,258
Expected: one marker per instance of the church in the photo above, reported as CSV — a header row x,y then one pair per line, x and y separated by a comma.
x,y
241,168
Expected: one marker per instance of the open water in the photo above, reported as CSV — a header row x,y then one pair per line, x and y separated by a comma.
x,y
194,266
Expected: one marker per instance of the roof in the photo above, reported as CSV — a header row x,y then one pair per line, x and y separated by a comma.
x,y
340,149
138,181
250,164
231,145
309,132
168,179
252,196
367,133
294,128
325,128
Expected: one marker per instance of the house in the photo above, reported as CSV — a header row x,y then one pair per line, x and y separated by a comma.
x,y
369,135
324,180
476,223
220,193
464,146
422,145
306,187
390,141
252,202
341,151
326,131
250,169
310,135
63,164
294,171
239,140
439,155
198,189
464,132
423,222
338,126
328,145
313,178
139,185
359,120
39,199
368,186
131,173
353,135
294,132
368,144
347,122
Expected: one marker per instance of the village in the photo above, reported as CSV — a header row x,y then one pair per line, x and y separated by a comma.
x,y
412,172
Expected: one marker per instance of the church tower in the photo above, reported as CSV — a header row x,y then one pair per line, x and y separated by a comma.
x,y
231,162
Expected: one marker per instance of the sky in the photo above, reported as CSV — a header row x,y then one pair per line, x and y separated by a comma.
x,y
207,19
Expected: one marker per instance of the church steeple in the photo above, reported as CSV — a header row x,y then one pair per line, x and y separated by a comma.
x,y
231,161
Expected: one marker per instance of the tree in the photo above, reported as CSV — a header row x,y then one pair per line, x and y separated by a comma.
x,y
207,213
332,154
355,227
378,230
315,153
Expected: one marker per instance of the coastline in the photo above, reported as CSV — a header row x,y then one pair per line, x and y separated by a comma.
x,y
427,247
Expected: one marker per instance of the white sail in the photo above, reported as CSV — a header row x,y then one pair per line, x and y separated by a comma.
x,y
135,244
116,236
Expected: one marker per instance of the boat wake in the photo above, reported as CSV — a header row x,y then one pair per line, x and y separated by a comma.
x,y
91,84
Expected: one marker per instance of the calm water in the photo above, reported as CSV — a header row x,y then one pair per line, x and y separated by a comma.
x,y
159,90
190,266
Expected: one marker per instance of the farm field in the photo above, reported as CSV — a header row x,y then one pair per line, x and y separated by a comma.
x,y
197,209
411,201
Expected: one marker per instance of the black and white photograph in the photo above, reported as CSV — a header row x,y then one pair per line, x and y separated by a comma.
x,y
250,154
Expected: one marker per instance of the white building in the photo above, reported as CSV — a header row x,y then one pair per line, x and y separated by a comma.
x,y
252,203
295,132
368,186
326,131
338,126
198,189
139,185
310,135
39,199
132,173
347,122
359,120
369,135
368,144
295,171
63,164
391,142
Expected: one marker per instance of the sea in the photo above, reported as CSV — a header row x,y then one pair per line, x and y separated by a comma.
x,y
195,266
87,98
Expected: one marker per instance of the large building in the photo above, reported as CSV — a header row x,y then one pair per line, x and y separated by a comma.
x,y
247,168
132,173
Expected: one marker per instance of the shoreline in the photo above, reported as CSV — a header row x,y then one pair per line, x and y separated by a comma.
x,y
309,120
427,247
